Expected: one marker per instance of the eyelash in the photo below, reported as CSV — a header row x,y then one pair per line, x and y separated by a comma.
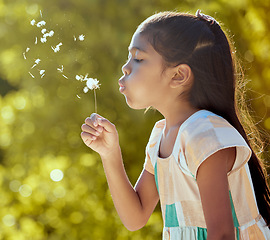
x,y
137,60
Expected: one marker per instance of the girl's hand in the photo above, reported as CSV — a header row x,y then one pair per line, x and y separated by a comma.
x,y
100,135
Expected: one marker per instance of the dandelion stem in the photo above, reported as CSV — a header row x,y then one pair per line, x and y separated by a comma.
x,y
95,95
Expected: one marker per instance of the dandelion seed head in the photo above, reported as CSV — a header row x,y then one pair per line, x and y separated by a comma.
x,y
92,83
81,37
41,23
33,22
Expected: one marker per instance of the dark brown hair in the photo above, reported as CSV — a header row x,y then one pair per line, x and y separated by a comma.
x,y
186,39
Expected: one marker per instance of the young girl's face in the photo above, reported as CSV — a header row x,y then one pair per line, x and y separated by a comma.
x,y
144,82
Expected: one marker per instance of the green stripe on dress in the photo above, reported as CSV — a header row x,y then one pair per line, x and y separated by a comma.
x,y
201,233
235,220
156,177
171,216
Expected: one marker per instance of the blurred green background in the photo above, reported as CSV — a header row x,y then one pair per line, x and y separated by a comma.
x,y
52,185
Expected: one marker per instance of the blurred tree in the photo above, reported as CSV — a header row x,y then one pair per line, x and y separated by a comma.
x,y
52,186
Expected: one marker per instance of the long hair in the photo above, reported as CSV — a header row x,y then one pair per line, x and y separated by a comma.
x,y
186,39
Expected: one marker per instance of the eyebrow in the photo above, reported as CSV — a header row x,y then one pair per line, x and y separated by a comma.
x,y
136,48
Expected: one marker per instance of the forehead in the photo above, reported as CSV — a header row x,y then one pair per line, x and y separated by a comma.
x,y
139,43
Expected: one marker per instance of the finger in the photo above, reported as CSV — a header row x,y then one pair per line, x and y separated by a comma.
x,y
88,138
86,128
106,124
94,117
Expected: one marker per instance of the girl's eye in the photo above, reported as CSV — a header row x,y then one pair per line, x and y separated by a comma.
x,y
137,60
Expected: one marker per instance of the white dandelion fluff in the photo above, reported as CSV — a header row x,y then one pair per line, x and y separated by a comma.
x,y
43,30
40,13
42,73
81,37
33,22
31,75
41,23
37,61
57,47
61,69
64,76
27,50
51,33
36,40
43,39
92,83
85,89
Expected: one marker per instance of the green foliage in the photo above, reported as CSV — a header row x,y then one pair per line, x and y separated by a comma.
x,y
40,118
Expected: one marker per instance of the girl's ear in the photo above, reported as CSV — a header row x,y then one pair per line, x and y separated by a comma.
x,y
182,76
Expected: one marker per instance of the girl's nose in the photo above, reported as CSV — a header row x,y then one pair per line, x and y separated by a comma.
x,y
126,68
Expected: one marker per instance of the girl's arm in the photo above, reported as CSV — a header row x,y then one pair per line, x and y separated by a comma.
x,y
134,205
214,190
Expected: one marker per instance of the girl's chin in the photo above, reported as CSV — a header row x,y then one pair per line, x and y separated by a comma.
x,y
133,105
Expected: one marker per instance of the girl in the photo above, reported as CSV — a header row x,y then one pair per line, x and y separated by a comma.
x,y
199,162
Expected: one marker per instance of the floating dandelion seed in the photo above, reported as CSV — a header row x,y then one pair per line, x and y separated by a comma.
x,y
31,75
27,50
78,96
51,33
61,69
33,22
40,13
43,30
37,61
81,37
43,39
57,47
42,73
85,89
64,76
36,40
41,23
75,39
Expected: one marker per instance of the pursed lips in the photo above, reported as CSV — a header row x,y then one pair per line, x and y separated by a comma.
x,y
121,85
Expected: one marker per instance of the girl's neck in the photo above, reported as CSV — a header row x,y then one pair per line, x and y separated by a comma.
x,y
176,114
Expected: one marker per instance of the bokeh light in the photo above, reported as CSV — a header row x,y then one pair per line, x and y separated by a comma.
x,y
56,175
